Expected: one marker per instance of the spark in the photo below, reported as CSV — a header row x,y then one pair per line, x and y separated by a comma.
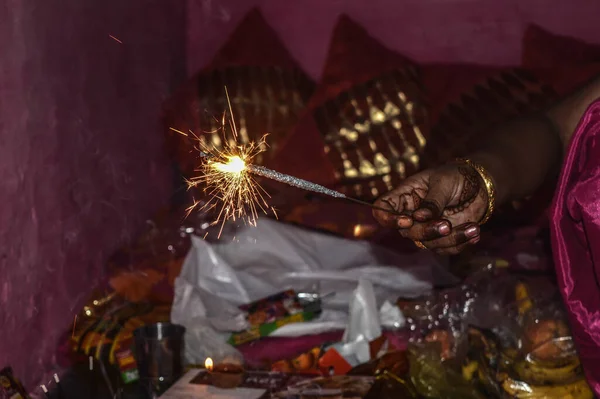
x,y
228,177
229,184
178,131
223,174
115,39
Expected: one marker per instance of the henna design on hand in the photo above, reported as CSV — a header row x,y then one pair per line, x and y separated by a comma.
x,y
416,198
471,188
471,185
395,207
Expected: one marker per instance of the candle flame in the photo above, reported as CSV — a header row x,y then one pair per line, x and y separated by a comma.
x,y
208,364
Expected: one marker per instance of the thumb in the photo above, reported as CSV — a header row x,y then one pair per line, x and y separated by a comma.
x,y
438,196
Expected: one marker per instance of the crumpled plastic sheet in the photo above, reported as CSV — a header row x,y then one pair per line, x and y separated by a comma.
x,y
259,261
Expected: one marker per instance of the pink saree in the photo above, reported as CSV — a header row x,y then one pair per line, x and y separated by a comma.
x,y
575,224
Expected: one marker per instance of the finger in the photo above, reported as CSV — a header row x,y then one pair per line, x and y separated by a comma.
x,y
404,222
459,235
396,203
438,195
386,219
457,249
427,231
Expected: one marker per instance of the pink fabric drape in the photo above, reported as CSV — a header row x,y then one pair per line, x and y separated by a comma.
x,y
575,224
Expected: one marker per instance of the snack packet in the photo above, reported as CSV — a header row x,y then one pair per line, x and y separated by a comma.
x,y
305,363
10,386
268,314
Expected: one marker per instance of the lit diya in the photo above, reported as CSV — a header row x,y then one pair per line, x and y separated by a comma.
x,y
224,375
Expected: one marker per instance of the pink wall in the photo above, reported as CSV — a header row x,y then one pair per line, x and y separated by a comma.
x,y
81,160
483,31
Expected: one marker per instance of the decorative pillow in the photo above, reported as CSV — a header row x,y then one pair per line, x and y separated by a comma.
x,y
469,100
266,88
369,117
545,49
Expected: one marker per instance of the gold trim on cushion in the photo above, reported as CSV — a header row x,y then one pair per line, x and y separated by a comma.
x,y
373,132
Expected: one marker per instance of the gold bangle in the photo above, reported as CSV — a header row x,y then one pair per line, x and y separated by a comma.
x,y
489,187
419,244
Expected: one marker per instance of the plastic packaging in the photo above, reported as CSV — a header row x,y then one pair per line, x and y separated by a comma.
x,y
432,379
218,277
507,334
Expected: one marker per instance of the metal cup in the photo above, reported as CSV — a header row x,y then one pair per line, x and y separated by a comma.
x,y
159,357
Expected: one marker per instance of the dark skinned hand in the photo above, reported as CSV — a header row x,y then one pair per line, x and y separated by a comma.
x,y
440,207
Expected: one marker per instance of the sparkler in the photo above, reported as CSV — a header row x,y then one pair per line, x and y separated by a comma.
x,y
228,176
302,184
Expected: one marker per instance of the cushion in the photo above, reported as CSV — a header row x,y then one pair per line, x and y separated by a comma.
x,y
368,117
467,100
542,48
267,90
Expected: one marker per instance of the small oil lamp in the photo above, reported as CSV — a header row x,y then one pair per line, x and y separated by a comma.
x,y
225,375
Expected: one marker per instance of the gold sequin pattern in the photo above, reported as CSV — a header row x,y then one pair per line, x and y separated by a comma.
x,y
373,132
263,100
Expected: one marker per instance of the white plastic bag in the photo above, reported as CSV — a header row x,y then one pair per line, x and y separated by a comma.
x,y
273,256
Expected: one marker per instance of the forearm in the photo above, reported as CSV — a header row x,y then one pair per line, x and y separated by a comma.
x,y
524,153
520,156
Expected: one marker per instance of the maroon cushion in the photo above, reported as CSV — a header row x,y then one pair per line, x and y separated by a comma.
x,y
369,115
267,89
364,130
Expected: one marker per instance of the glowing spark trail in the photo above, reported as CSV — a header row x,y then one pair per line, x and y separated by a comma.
x,y
115,39
226,179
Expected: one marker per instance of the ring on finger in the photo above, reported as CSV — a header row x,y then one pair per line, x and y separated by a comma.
x,y
419,244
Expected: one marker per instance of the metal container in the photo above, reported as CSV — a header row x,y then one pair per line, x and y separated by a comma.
x,y
159,356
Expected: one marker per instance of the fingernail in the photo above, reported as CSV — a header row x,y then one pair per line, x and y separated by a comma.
x,y
472,231
402,220
443,228
474,240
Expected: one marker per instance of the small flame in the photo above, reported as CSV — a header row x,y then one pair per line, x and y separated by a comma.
x,y
235,165
208,364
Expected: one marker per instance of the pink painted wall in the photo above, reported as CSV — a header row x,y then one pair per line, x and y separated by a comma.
x,y
482,31
81,158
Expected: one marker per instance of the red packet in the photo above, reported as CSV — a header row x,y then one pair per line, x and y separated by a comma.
x,y
334,363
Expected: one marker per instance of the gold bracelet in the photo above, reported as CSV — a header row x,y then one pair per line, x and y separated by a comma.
x,y
420,245
489,187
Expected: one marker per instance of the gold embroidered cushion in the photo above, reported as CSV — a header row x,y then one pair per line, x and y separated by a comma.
x,y
369,114
266,88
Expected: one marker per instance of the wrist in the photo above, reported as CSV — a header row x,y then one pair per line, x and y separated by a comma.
x,y
498,172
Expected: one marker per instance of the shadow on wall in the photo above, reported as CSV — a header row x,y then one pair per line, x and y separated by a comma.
x,y
81,155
